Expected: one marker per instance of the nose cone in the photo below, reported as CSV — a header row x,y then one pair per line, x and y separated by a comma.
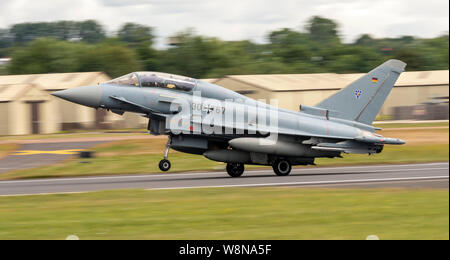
x,y
87,96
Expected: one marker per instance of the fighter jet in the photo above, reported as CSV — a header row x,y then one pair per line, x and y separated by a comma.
x,y
205,119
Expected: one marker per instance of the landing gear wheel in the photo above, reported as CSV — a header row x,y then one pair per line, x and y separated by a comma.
x,y
235,169
164,165
282,167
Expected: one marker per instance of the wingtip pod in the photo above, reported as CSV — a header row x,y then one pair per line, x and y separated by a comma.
x,y
396,65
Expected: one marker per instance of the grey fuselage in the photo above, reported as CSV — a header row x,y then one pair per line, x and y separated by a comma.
x,y
292,127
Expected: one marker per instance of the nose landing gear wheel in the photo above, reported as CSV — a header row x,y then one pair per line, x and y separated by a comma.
x,y
164,165
235,169
282,167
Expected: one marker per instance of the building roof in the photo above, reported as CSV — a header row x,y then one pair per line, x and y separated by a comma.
x,y
56,81
323,81
13,92
271,82
423,78
210,80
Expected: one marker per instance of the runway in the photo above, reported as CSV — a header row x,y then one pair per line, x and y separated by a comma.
x,y
35,154
434,175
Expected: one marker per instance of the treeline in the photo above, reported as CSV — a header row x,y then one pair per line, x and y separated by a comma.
x,y
69,46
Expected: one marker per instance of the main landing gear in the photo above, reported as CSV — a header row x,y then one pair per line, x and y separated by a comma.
x,y
164,164
235,169
282,167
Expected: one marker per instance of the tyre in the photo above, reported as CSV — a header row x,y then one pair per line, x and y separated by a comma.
x,y
282,167
235,169
164,165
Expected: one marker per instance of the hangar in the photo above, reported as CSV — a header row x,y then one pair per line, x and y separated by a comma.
x,y
291,90
53,114
25,109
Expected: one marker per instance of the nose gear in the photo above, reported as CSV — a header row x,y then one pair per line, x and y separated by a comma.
x,y
164,164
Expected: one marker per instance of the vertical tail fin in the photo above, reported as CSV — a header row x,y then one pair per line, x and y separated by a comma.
x,y
361,100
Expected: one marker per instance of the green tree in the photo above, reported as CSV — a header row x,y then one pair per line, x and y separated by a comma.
x,y
6,39
83,46
287,37
136,34
322,30
140,38
111,57
47,55
91,31
290,46
43,56
194,55
365,40
436,53
352,59
414,59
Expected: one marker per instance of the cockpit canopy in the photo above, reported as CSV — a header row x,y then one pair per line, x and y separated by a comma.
x,y
127,80
156,80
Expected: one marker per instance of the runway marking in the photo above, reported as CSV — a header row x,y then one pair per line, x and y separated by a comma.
x,y
303,183
61,152
173,175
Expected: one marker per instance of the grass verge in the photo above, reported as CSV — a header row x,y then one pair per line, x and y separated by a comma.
x,y
229,213
6,149
123,158
411,125
395,154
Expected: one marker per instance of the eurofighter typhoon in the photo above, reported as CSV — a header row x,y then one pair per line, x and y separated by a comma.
x,y
225,126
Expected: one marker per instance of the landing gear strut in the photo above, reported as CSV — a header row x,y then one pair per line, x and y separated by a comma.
x,y
282,167
164,164
235,169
